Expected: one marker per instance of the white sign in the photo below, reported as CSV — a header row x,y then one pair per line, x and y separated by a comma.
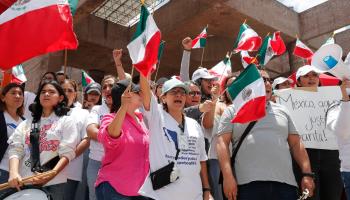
x,y
308,110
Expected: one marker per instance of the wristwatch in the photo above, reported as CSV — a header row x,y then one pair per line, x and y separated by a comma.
x,y
311,175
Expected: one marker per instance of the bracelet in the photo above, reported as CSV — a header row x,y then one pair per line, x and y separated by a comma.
x,y
206,189
311,175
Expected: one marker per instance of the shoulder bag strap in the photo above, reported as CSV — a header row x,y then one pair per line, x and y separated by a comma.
x,y
3,135
244,135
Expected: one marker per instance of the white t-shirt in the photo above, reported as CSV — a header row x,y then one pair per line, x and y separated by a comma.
x,y
163,136
338,122
58,136
28,99
75,168
11,125
95,117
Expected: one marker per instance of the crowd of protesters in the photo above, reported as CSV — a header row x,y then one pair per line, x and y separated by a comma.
x,y
164,140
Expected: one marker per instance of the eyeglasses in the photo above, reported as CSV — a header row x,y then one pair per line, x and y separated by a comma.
x,y
176,92
195,93
266,79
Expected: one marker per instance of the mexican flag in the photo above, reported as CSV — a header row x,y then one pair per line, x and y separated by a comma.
x,y
247,39
301,50
34,27
272,45
144,46
248,96
86,79
201,40
247,59
18,75
277,44
222,69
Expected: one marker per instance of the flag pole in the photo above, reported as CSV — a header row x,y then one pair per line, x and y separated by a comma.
x,y
204,48
155,77
65,62
228,56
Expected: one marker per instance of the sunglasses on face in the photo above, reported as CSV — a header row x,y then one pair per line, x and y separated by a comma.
x,y
266,79
195,93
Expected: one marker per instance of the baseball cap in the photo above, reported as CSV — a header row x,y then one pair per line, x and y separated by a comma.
x,y
61,72
119,88
161,81
302,71
202,73
93,87
280,80
174,83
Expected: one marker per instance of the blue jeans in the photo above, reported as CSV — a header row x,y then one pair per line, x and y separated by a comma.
x,y
105,191
214,173
91,172
267,190
70,189
346,180
4,177
326,166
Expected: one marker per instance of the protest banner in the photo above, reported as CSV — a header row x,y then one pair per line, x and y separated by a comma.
x,y
308,110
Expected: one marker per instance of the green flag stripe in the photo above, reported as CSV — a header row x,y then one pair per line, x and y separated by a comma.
x,y
160,50
141,26
248,76
73,4
262,50
242,28
202,42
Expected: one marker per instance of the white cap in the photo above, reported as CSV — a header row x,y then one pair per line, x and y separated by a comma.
x,y
202,73
280,80
302,71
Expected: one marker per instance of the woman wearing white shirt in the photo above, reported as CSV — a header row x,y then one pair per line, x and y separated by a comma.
x,y
75,168
49,132
338,122
11,111
172,135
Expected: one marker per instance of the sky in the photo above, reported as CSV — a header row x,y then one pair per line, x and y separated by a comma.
x,y
301,5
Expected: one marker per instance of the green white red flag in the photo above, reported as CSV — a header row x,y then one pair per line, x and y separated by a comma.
x,y
247,39
34,27
86,79
272,46
247,59
18,75
248,96
144,46
302,51
201,40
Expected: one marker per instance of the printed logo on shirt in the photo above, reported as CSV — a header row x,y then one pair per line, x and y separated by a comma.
x,y
172,134
45,144
11,126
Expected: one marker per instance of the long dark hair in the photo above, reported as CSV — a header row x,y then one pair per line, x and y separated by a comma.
x,y
4,91
60,109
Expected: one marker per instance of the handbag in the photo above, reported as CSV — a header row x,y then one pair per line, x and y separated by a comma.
x,y
169,173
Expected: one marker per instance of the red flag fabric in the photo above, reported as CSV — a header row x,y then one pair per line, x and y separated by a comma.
x,y
277,44
35,27
326,80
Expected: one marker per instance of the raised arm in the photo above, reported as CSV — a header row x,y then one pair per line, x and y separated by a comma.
x,y
117,56
145,92
185,61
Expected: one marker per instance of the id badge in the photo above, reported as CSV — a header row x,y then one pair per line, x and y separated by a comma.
x,y
182,139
